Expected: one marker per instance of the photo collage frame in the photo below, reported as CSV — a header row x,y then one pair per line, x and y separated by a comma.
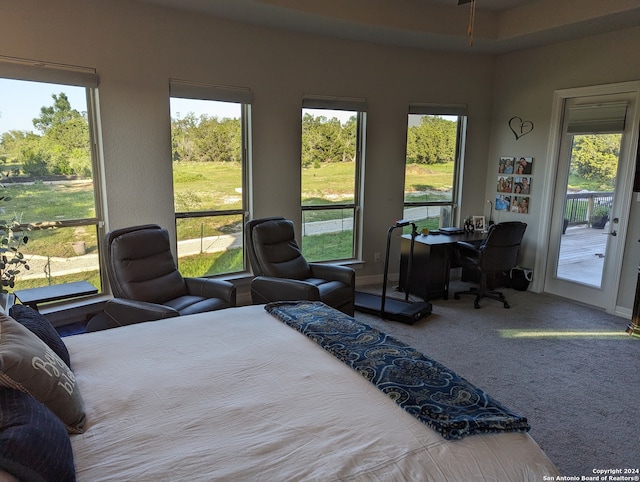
x,y
514,184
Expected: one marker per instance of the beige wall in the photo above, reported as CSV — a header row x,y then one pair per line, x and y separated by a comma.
x,y
136,48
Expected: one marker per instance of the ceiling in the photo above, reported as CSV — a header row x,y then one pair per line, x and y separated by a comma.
x,y
500,25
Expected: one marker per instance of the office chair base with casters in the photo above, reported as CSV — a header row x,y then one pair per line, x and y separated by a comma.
x,y
496,295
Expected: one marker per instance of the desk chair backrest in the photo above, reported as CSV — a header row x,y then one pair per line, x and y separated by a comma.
x,y
499,251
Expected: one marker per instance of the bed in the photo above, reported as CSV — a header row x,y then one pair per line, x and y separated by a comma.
x,y
238,394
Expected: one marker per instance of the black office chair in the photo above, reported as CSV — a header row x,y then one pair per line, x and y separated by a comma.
x,y
497,254
147,285
283,274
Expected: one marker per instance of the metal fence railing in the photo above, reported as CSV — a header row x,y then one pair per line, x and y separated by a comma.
x,y
579,206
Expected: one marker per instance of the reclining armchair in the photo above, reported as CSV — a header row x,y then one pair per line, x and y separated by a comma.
x,y
147,285
282,273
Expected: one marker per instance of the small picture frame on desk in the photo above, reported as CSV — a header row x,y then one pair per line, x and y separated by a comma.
x,y
478,223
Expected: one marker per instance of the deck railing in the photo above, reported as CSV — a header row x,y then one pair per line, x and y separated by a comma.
x,y
580,205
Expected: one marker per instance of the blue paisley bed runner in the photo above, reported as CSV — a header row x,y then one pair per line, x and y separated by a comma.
x,y
429,391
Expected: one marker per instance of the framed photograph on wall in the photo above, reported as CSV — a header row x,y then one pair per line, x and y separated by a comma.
x,y
522,202
504,184
523,165
503,202
522,185
478,223
506,165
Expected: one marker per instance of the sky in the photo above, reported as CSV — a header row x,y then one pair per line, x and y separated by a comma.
x,y
20,102
221,110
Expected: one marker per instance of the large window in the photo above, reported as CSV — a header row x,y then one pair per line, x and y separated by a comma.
x,y
435,143
48,172
210,145
332,150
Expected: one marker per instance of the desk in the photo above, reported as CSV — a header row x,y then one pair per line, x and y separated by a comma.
x,y
431,262
31,297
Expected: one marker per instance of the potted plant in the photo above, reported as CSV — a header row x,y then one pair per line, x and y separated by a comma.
x,y
599,217
12,238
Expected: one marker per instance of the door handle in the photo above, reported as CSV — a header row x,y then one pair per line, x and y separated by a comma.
x,y
613,233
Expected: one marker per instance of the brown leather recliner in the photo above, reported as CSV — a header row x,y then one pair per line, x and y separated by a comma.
x,y
146,283
283,274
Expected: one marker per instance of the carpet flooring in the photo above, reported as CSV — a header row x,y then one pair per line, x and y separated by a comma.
x,y
570,369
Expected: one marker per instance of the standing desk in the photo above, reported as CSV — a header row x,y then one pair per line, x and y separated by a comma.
x,y
432,261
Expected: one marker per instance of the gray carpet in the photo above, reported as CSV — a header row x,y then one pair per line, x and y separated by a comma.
x,y
571,370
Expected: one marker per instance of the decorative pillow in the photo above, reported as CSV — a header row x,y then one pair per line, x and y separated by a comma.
x,y
29,365
38,324
34,444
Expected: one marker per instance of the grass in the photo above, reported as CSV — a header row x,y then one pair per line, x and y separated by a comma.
x,y
432,177
320,247
211,264
92,277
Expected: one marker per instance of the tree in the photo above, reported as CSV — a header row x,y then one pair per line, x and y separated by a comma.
x,y
595,157
59,113
206,139
431,142
327,140
63,146
65,136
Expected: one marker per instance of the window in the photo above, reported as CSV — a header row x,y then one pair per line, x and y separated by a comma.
x,y
435,143
49,170
210,145
332,150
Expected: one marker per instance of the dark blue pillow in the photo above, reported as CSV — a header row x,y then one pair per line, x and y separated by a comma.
x,y
34,444
40,326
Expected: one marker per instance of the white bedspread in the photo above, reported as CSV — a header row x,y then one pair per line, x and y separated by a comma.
x,y
237,395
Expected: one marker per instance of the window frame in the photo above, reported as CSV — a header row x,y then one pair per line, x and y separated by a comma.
x,y
435,109
70,76
221,93
360,107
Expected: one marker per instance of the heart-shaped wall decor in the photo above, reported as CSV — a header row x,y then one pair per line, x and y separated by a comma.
x,y
520,127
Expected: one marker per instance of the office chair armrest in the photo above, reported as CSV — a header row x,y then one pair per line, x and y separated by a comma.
x,y
467,249
332,272
265,289
123,312
212,288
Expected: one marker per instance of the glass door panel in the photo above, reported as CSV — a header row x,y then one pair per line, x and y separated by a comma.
x,y
593,165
